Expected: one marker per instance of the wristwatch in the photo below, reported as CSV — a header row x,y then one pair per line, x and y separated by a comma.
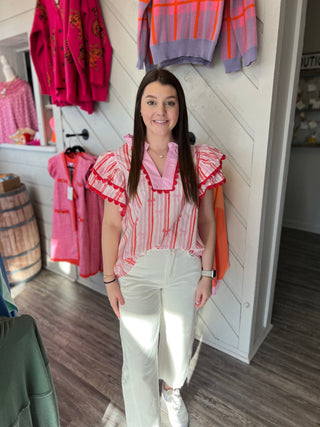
x,y
209,273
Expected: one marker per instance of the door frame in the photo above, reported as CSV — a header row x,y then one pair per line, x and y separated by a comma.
x,y
292,25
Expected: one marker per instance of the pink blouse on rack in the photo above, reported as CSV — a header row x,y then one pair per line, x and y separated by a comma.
x,y
17,109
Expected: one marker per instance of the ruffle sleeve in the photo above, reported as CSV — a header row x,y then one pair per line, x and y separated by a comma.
x,y
209,167
107,179
52,168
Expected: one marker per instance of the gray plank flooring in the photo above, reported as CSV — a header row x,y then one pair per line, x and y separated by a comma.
x,y
281,386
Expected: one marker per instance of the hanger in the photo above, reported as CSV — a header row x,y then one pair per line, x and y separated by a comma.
x,y
75,149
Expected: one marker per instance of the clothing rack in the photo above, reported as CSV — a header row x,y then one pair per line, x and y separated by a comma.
x,y
84,134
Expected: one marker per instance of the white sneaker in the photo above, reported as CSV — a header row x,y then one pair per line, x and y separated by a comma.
x,y
177,412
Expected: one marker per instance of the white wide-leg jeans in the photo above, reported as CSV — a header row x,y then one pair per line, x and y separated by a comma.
x,y
159,294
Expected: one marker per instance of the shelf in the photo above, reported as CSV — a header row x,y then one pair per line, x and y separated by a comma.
x,y
43,148
307,110
316,145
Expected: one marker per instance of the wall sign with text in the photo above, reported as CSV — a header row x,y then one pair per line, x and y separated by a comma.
x,y
310,61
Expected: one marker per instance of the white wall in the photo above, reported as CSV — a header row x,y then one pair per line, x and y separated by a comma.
x,y
302,203
232,112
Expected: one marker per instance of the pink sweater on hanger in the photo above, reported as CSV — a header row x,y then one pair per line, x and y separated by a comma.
x,y
89,46
71,52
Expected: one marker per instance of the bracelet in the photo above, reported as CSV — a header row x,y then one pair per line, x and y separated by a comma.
x,y
108,275
111,281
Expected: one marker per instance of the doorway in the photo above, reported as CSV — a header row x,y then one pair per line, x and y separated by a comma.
x,y
286,77
296,207
302,202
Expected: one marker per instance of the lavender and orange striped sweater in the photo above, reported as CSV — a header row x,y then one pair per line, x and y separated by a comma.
x,y
187,31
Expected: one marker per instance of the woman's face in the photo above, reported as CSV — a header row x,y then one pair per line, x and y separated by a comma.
x,y
159,110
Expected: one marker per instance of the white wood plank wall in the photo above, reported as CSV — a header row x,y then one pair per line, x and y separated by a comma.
x,y
222,112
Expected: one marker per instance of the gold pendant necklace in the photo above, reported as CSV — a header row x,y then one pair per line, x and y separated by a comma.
x,y
4,90
161,156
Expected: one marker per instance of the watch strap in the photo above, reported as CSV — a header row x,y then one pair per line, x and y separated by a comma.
x,y
209,273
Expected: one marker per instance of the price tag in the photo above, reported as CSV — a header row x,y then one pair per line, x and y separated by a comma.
x,y
70,193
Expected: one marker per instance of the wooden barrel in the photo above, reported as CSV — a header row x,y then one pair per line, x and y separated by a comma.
x,y
19,236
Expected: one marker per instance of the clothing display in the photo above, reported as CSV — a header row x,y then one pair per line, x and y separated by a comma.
x,y
173,227
17,108
26,388
77,213
71,52
188,32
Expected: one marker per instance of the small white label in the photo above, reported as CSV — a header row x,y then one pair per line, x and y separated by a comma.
x,y
70,193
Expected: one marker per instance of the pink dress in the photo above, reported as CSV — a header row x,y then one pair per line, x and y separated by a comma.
x,y
77,214
17,109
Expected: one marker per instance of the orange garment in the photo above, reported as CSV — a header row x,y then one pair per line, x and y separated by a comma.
x,y
221,256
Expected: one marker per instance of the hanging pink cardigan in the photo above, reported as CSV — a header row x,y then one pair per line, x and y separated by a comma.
x,y
71,52
76,223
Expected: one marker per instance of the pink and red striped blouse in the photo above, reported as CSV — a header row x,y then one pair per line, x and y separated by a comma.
x,y
159,215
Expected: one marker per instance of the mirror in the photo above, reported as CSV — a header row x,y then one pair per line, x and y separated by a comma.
x,y
22,106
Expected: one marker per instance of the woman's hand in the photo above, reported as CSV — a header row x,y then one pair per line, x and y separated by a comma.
x,y
204,291
115,297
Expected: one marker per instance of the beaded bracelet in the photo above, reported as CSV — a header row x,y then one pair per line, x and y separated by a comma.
x,y
111,281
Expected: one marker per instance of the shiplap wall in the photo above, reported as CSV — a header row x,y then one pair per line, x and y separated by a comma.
x,y
231,112
221,112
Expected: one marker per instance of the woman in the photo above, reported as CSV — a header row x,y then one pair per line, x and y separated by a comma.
x,y
158,246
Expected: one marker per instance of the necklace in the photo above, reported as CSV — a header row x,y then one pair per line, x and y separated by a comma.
x,y
4,90
162,156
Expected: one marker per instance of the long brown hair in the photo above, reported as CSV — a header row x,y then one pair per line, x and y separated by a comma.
x,y
180,134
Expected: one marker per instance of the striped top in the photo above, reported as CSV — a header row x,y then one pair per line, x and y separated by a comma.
x,y
159,215
187,31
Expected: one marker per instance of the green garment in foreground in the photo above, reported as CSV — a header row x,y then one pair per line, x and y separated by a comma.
x,y
27,395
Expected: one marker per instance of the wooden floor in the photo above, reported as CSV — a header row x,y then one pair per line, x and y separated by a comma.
x,y
281,387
